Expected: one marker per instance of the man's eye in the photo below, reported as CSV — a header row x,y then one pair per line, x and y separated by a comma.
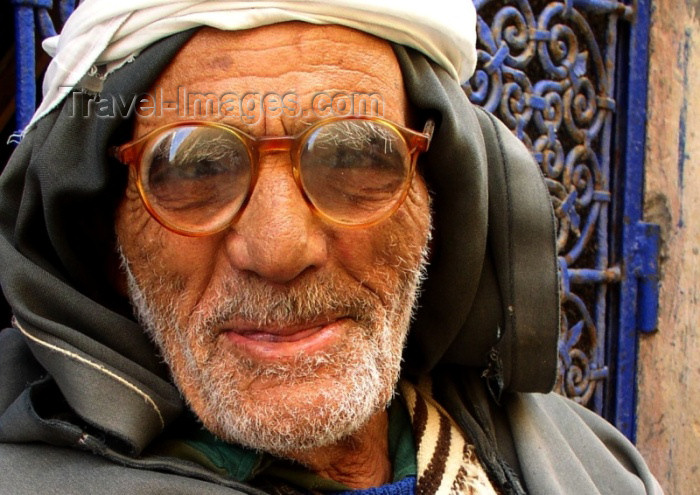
x,y
164,173
345,158
357,145
196,167
197,174
371,156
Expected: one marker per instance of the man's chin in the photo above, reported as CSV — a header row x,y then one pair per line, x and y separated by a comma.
x,y
304,410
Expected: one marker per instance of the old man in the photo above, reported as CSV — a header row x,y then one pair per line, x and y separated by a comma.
x,y
213,240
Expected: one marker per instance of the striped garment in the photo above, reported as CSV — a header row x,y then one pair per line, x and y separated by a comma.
x,y
447,462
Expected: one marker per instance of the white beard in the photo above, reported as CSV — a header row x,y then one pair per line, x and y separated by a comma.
x,y
314,400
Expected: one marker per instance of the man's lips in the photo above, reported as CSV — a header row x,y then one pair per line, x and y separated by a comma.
x,y
279,342
278,335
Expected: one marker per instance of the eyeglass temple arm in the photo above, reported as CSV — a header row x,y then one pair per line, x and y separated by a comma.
x,y
126,153
428,130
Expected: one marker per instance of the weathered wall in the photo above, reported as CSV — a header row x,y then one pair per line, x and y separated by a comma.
x,y
668,431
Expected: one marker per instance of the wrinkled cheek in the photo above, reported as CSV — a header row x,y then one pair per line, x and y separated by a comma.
x,y
160,258
192,362
134,229
401,243
383,258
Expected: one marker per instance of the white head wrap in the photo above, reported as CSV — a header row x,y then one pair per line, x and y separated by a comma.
x,y
109,33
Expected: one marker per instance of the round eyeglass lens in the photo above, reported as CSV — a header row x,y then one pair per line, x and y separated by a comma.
x,y
196,177
355,171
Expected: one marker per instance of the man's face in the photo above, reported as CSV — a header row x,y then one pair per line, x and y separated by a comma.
x,y
283,332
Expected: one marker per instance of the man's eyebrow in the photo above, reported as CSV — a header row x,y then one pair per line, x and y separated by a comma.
x,y
357,135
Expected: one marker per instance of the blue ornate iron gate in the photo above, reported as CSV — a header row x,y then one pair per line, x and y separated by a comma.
x,y
569,78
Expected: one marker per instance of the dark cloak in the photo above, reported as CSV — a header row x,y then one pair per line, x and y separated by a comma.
x,y
77,370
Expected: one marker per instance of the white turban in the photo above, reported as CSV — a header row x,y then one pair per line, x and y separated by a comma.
x,y
108,33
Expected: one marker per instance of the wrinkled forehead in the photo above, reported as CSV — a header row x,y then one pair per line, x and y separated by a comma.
x,y
291,72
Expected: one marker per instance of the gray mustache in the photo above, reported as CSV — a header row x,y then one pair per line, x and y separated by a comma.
x,y
262,304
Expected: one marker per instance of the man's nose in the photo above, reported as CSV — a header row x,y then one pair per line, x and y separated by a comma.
x,y
277,236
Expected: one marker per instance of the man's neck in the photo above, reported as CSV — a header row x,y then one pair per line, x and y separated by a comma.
x,y
359,461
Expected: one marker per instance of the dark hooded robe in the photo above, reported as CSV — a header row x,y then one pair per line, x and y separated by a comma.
x,y
83,392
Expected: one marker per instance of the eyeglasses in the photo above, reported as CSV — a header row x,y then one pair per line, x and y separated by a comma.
x,y
196,177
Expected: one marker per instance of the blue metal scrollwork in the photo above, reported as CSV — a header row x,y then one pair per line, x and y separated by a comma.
x,y
546,69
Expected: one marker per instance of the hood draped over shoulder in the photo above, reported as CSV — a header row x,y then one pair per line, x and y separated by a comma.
x,y
490,301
